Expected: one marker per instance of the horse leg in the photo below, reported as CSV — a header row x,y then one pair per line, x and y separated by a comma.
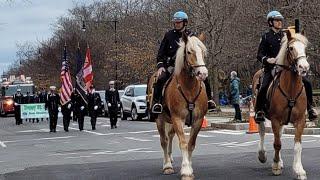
x,y
186,169
262,152
167,166
193,137
297,165
171,134
276,165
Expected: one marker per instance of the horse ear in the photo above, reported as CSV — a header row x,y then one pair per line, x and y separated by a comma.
x,y
184,37
202,37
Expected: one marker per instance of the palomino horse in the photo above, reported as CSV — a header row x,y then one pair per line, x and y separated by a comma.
x,y
288,101
185,97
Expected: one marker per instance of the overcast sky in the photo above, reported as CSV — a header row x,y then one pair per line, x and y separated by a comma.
x,y
27,20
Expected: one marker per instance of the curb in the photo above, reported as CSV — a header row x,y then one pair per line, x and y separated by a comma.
x,y
245,126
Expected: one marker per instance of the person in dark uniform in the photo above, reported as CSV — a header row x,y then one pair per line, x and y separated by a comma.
x,y
66,110
166,60
42,97
113,103
94,105
52,105
18,99
28,99
268,50
79,108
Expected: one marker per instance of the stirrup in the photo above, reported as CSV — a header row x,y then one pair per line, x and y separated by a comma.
x,y
157,108
259,117
211,105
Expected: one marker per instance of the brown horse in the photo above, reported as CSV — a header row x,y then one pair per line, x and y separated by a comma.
x,y
288,102
184,97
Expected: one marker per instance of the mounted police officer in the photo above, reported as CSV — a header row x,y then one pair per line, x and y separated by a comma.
x,y
79,106
52,104
166,60
18,99
94,105
268,50
113,103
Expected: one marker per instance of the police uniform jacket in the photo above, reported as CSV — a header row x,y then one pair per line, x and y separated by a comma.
x,y
93,100
269,48
53,102
168,48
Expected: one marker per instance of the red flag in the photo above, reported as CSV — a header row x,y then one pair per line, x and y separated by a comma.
x,y
87,70
66,83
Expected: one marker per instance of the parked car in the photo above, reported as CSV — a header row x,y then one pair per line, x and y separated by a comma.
x,y
133,102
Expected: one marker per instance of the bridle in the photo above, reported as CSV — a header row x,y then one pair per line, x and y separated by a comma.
x,y
189,66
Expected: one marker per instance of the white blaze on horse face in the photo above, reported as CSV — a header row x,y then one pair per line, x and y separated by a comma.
x,y
202,71
302,64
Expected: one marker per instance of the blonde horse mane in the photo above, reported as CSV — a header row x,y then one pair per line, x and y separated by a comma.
x,y
194,44
283,49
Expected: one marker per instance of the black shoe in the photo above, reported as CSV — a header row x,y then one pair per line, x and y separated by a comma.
x,y
259,117
156,108
115,126
66,130
312,114
211,105
54,130
93,128
51,130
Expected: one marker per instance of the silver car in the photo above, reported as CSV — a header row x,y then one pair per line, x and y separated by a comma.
x,y
133,102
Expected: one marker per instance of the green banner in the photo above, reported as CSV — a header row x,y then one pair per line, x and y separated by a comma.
x,y
34,111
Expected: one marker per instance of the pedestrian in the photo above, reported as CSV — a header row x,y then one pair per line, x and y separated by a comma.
x,y
268,50
113,103
235,95
166,60
43,98
94,106
18,100
79,106
66,110
53,106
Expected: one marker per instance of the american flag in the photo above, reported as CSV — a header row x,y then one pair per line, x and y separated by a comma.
x,y
87,70
66,83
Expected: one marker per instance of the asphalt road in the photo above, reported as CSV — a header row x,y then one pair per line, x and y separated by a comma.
x,y
132,151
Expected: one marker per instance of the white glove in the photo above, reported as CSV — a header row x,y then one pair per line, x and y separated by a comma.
x,y
109,104
59,108
95,107
118,105
16,104
272,60
69,106
101,103
160,70
82,108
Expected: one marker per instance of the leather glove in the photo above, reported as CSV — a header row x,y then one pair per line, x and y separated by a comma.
x,y
82,108
272,60
69,106
95,107
160,70
109,104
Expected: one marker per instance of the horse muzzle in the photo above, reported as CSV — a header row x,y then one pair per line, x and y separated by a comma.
x,y
303,67
201,73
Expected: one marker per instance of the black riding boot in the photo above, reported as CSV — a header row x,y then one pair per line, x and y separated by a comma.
x,y
312,113
259,116
211,104
157,95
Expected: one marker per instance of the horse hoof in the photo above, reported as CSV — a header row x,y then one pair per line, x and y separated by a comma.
x,y
262,156
301,177
168,171
276,171
185,177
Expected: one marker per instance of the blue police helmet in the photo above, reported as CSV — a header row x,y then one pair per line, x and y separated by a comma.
x,y
180,16
274,15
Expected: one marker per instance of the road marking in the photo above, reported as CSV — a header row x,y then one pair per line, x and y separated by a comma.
x,y
36,130
78,157
137,139
96,133
62,154
2,144
105,125
23,140
139,150
230,132
1,161
217,143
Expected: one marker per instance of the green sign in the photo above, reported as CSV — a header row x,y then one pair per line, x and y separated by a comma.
x,y
34,111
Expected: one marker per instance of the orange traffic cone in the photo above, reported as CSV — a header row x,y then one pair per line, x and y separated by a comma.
x,y
253,127
204,122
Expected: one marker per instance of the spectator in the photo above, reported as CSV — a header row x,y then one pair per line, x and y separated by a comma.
x,y
235,95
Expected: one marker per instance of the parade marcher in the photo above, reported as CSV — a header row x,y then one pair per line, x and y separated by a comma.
x,y
79,108
18,99
52,105
42,97
94,106
166,60
36,99
66,110
235,95
113,103
268,50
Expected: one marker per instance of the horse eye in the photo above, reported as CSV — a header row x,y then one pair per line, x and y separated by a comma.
x,y
189,52
290,48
